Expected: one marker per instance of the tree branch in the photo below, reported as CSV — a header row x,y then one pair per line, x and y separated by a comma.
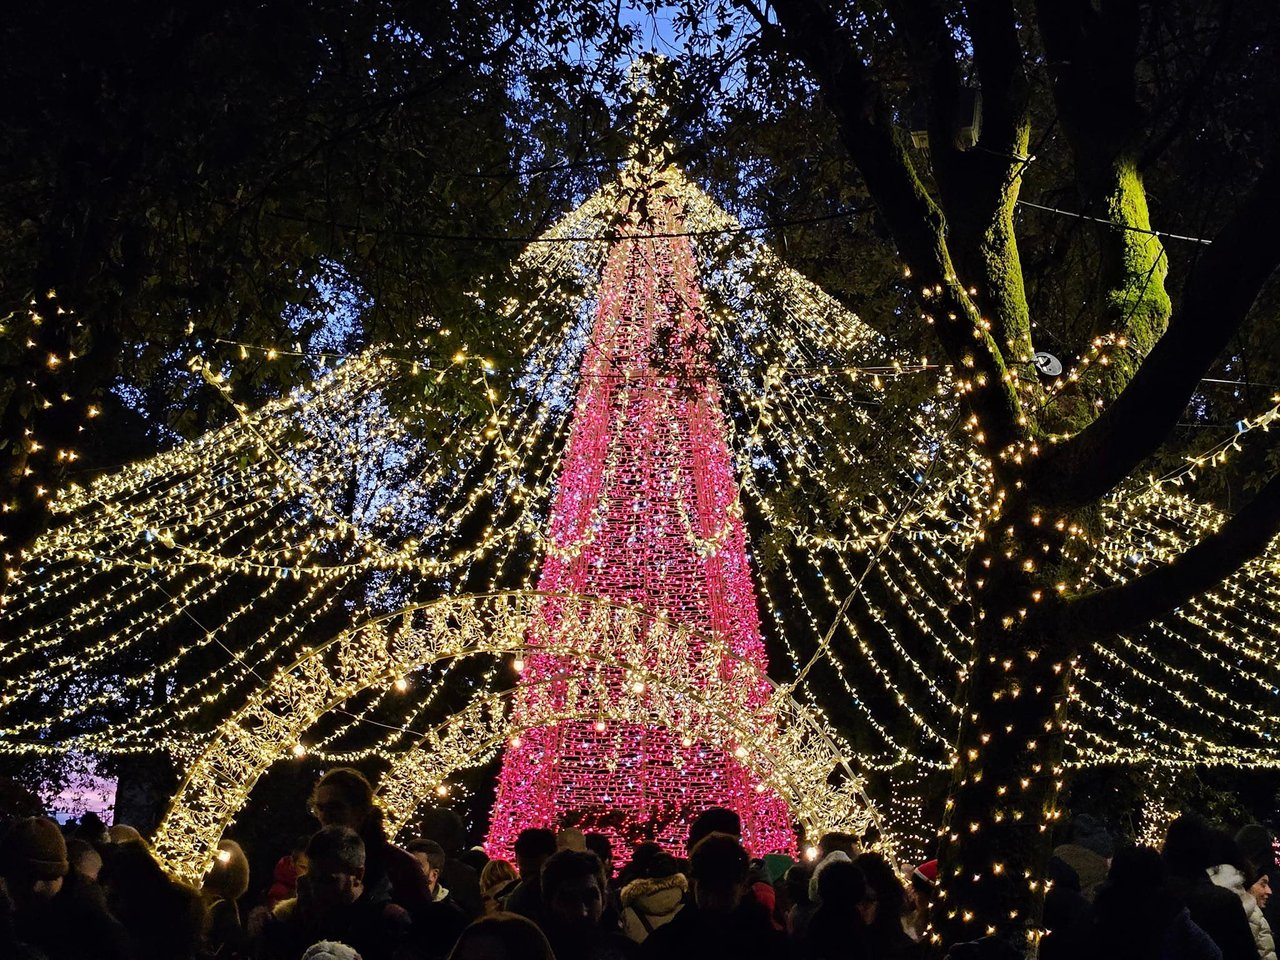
x,y
997,164
1223,287
1002,76
825,46
978,187
1131,605
1094,63
1195,89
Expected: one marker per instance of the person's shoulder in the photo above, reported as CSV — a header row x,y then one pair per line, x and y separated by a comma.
x,y
458,868
81,908
615,945
502,895
523,891
401,857
221,908
1223,898
667,941
80,895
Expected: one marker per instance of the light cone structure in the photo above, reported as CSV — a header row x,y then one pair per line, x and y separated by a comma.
x,y
646,514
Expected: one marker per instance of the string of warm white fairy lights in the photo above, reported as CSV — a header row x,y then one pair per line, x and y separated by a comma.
x,y
182,579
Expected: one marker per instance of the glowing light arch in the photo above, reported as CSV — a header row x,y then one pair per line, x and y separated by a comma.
x,y
382,649
471,736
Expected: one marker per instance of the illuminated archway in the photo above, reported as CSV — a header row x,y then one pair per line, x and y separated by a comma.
x,y
783,742
783,760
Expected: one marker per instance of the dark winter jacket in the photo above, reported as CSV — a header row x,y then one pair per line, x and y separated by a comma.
x,y
526,899
1219,913
224,935
598,943
437,928
693,934
836,933
74,925
165,919
395,871
464,886
1186,941
373,926
1068,915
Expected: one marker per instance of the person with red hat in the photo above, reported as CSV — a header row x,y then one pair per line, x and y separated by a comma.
x,y
924,880
60,913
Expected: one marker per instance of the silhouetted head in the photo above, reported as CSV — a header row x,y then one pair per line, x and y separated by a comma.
x,y
573,888
228,878
533,847
718,871
335,871
502,936
713,820
1188,846
342,798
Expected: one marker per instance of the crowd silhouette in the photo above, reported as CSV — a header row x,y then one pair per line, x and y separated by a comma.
x,y
347,891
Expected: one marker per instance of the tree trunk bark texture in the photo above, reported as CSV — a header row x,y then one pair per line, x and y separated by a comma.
x,y
1008,761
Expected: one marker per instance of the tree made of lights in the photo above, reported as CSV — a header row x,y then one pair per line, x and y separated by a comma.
x,y
647,512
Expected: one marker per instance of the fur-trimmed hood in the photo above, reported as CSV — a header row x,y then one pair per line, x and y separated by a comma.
x,y
1227,875
659,894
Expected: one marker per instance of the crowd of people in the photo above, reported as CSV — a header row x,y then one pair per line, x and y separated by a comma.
x,y
347,892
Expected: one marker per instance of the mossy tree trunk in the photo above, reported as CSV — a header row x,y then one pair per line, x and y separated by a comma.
x,y
1050,464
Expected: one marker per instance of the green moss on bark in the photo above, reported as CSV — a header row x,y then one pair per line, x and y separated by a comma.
x,y
1134,271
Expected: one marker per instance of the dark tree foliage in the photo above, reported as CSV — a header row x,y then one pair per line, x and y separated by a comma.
x,y
173,175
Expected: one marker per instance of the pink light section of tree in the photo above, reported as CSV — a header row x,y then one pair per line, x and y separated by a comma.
x,y
645,515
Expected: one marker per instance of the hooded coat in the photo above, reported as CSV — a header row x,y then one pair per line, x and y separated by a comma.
x,y
648,903
1229,877
1218,913
693,934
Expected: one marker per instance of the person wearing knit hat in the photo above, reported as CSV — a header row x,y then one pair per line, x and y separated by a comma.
x,y
835,856
123,833
84,858
33,858
56,911
1087,853
1233,872
1255,843
223,886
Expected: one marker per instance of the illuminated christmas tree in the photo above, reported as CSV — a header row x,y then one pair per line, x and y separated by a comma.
x,y
646,514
